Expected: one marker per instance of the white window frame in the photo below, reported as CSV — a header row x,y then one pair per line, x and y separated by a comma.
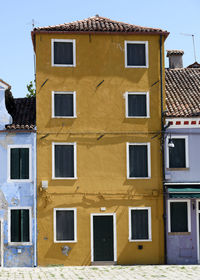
x,y
147,104
9,226
148,155
74,52
74,104
149,225
188,213
29,146
75,225
186,150
53,161
146,54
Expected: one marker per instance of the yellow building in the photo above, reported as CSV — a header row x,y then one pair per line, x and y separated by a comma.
x,y
99,161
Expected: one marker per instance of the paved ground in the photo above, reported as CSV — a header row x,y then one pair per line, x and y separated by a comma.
x,y
191,272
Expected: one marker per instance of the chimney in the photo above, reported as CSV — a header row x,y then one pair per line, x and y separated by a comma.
x,y
175,58
5,117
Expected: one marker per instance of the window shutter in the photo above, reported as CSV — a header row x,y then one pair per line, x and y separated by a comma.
x,y
137,105
15,163
177,158
25,225
139,224
136,55
138,161
64,105
24,163
64,225
179,216
64,161
15,226
63,53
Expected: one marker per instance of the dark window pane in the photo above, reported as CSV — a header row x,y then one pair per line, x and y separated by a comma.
x,y
139,224
177,154
64,161
179,217
137,105
19,163
138,161
64,225
64,105
20,225
136,55
63,53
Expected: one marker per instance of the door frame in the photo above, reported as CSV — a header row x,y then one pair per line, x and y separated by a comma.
x,y
114,234
197,225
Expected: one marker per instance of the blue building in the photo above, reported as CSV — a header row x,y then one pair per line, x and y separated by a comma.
x,y
17,180
182,156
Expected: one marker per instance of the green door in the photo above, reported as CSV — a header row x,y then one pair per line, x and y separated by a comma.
x,y
103,238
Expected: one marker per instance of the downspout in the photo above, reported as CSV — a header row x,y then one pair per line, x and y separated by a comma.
x,y
162,146
35,201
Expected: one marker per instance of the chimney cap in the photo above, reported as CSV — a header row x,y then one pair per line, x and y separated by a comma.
x,y
174,52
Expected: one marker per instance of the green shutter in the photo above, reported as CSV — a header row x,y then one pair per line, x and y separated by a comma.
x,y
19,163
15,229
25,225
14,167
24,163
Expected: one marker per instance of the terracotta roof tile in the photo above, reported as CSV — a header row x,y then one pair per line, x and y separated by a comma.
x,y
99,24
182,92
23,113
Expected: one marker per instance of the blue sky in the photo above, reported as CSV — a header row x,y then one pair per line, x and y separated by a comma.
x,y
16,51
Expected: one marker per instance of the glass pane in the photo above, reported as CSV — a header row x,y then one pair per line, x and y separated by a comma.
x,y
139,224
138,161
179,216
64,161
63,53
136,55
64,105
64,225
177,154
137,105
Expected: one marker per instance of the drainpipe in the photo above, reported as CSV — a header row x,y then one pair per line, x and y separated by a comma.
x,y
35,202
162,147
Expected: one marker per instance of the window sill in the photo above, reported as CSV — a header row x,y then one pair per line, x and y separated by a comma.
x,y
137,117
178,169
179,233
20,243
65,178
19,181
135,66
63,65
140,240
64,117
67,241
135,178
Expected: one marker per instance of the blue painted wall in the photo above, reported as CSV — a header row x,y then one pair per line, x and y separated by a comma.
x,y
14,194
182,248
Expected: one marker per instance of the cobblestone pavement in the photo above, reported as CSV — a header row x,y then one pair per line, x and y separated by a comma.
x,y
191,272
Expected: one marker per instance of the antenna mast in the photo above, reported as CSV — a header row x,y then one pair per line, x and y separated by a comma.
x,y
192,35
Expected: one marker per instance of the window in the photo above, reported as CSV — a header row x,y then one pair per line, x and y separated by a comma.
x,y
177,157
140,224
19,224
63,104
64,160
65,220
63,52
137,104
136,54
19,163
138,160
179,216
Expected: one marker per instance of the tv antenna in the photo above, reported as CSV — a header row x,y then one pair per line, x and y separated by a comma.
x,y
192,35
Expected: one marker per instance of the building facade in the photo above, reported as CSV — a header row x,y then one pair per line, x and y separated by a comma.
x,y
17,180
99,175
182,155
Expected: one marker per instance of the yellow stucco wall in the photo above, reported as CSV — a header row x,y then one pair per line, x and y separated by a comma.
x,y
101,164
